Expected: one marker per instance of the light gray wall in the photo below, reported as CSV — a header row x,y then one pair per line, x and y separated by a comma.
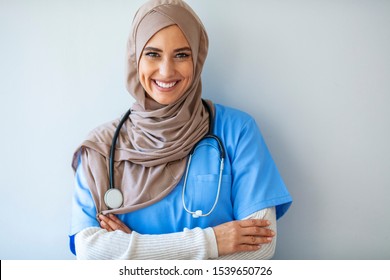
x,y
314,74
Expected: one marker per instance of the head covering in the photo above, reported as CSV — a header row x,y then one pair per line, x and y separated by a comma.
x,y
154,142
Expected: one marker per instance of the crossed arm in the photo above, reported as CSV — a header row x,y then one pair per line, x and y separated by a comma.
x,y
251,238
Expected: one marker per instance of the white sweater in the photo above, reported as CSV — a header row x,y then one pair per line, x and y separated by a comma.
x,y
97,243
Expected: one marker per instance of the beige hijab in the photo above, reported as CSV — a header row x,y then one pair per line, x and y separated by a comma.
x,y
154,142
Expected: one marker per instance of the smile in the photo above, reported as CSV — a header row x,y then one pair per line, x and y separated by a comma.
x,y
165,85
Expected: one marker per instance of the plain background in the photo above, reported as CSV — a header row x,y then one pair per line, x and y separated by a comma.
x,y
314,74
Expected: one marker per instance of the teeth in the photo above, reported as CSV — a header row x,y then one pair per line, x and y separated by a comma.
x,y
165,85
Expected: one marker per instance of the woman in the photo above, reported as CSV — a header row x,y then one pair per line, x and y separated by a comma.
x,y
171,210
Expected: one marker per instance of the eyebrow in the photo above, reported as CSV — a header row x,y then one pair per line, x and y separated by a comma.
x,y
185,49
153,49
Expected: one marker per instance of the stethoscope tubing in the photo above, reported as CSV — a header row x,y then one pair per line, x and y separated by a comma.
x,y
199,213
112,149
116,194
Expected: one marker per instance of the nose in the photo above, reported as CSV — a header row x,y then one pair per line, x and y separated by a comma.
x,y
167,68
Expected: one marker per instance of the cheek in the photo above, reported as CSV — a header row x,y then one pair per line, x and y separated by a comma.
x,y
188,72
143,73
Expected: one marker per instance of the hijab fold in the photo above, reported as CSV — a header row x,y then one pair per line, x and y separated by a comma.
x,y
154,142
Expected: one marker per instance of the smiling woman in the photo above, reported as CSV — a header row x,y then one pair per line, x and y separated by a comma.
x,y
166,66
235,196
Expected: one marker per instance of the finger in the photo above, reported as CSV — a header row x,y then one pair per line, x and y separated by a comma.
x,y
256,240
105,226
106,222
120,225
109,222
124,228
115,218
258,231
254,222
104,218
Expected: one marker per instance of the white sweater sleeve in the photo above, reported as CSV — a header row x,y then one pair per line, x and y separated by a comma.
x,y
97,243
266,251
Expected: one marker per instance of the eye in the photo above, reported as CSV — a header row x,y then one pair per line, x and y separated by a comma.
x,y
152,54
183,55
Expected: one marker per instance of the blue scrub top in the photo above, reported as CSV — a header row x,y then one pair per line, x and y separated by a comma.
x,y
250,182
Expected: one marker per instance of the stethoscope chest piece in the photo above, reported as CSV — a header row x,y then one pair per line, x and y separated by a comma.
x,y
113,198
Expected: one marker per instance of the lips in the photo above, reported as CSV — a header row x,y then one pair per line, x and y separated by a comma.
x,y
166,85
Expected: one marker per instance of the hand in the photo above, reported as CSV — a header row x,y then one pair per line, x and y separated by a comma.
x,y
111,223
241,236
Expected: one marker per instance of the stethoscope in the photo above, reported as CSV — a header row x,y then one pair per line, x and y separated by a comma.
x,y
113,198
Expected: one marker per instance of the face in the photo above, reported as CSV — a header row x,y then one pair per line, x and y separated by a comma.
x,y
165,67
